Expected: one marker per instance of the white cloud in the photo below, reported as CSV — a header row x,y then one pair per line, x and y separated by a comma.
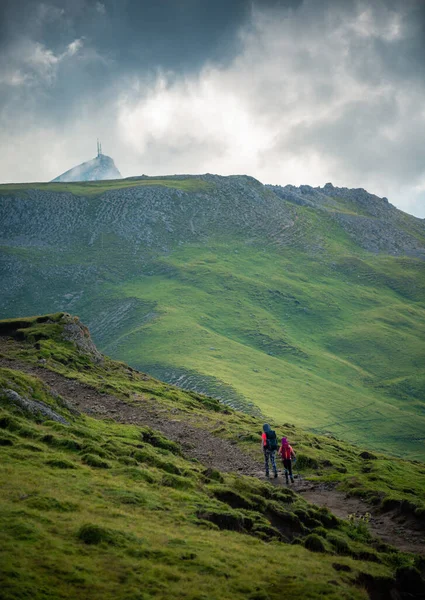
x,y
296,106
32,63
73,48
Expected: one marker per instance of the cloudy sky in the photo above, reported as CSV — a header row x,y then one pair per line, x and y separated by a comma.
x,y
288,91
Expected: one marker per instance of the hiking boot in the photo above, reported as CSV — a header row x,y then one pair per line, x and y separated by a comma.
x,y
275,475
292,480
286,478
267,475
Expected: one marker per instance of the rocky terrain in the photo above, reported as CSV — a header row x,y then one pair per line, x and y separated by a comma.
x,y
372,222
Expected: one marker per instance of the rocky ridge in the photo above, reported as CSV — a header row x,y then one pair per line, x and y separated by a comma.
x,y
372,222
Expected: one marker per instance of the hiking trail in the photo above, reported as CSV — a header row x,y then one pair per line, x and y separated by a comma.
x,y
221,454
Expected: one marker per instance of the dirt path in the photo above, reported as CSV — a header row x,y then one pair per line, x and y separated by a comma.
x,y
218,453
391,528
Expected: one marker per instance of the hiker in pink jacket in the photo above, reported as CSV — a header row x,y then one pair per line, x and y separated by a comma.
x,y
286,452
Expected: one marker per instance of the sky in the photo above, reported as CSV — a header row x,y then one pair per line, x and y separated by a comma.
x,y
287,91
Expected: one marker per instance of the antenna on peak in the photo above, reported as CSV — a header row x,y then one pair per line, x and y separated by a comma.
x,y
98,149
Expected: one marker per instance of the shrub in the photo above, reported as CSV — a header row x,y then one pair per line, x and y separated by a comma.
x,y
314,543
60,464
127,460
95,461
158,441
154,460
5,442
45,503
231,520
321,531
212,475
234,499
8,422
94,534
326,517
90,448
307,462
177,482
340,545
367,455
128,497
58,442
138,474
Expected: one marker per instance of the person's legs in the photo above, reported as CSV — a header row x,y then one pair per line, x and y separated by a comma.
x,y
287,466
266,461
273,461
290,470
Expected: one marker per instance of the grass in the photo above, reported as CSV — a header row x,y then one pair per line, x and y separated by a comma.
x,y
70,528
294,330
95,188
301,326
385,481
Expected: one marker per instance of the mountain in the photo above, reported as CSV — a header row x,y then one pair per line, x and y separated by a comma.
x,y
302,304
117,485
97,169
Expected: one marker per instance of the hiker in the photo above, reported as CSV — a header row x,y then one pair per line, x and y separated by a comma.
x,y
269,447
287,453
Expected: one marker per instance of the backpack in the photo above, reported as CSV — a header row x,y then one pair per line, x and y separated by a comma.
x,y
286,452
271,440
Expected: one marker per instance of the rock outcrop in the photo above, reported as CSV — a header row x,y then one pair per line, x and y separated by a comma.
x,y
372,222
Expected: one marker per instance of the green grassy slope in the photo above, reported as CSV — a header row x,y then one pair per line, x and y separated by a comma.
x,y
291,336
90,508
239,294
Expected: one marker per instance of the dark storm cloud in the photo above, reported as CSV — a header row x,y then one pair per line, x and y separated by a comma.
x,y
117,38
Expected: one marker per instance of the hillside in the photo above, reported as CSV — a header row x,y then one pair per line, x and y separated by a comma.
x,y
303,304
97,169
97,503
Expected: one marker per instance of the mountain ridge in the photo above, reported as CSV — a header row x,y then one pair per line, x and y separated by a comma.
x,y
224,286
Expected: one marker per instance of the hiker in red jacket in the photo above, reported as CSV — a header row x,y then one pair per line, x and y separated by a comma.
x,y
286,452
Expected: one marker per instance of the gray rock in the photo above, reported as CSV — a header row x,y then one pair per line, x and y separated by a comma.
x,y
35,407
77,333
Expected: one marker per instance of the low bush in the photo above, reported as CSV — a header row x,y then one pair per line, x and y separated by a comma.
x,y
231,520
314,543
152,459
94,534
306,462
59,442
212,475
5,441
177,482
48,503
59,463
95,461
159,441
339,544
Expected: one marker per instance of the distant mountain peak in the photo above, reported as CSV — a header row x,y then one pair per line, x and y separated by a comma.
x,y
99,168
